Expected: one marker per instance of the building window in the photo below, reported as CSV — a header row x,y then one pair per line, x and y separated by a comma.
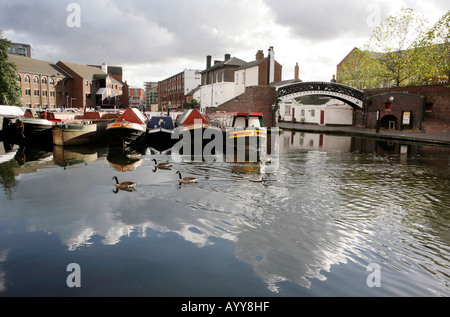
x,y
44,80
86,83
287,110
388,106
429,107
36,80
36,92
18,77
52,81
237,79
223,76
302,112
27,79
44,93
27,92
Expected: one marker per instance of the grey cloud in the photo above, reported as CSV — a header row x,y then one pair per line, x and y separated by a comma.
x,y
324,19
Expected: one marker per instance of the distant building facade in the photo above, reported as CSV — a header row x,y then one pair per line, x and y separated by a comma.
x,y
20,49
136,97
151,96
217,81
43,84
173,90
93,87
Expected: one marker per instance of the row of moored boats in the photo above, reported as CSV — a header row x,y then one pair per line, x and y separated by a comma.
x,y
132,127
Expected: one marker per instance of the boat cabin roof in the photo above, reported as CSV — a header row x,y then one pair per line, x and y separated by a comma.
x,y
165,122
133,115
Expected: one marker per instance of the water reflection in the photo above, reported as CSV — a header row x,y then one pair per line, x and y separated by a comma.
x,y
332,200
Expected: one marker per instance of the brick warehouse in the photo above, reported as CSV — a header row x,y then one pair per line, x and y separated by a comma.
x,y
416,102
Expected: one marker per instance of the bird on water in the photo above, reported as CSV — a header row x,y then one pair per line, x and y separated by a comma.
x,y
127,185
186,180
164,165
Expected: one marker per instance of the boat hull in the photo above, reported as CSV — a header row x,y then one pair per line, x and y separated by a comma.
x,y
125,133
79,133
160,139
37,130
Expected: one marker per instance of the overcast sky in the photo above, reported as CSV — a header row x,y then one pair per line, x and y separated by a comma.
x,y
155,39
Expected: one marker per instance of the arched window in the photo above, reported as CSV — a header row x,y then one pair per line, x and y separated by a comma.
x,y
18,77
27,78
52,81
36,79
44,80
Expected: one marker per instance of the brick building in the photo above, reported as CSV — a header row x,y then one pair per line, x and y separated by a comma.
x,y
92,86
136,97
404,107
173,90
43,84
217,83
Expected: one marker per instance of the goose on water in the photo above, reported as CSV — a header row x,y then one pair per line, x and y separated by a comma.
x,y
162,165
125,185
186,180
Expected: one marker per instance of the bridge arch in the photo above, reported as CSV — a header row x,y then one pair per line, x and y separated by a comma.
x,y
347,94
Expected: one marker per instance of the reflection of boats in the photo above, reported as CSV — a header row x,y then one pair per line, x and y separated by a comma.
x,y
128,129
7,151
37,125
81,132
159,133
247,132
33,158
67,155
125,159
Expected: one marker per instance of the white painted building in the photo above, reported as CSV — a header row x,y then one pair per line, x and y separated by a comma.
x,y
331,112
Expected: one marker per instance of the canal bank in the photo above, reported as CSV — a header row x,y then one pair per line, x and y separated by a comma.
x,y
434,131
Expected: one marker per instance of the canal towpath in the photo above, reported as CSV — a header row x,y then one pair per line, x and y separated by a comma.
x,y
433,131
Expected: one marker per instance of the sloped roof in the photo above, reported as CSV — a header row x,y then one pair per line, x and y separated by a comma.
x,y
86,72
252,64
36,66
233,61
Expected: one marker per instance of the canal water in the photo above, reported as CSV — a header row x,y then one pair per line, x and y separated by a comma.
x,y
328,216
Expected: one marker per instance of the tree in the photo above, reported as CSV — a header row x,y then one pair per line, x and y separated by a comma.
x,y
10,93
396,41
437,44
361,70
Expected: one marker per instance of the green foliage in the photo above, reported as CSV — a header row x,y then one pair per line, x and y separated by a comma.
x,y
9,91
401,51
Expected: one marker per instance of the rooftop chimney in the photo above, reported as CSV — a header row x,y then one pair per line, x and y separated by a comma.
x,y
105,68
259,55
297,71
227,56
208,61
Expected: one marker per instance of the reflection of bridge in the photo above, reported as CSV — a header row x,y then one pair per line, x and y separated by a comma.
x,y
349,95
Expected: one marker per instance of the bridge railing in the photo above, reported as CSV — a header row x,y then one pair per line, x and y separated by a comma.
x,y
320,86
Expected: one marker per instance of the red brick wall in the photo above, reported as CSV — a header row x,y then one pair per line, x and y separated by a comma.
x,y
399,102
438,96
255,99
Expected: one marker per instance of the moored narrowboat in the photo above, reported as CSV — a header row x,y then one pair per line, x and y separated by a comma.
x,y
130,128
247,132
159,133
37,126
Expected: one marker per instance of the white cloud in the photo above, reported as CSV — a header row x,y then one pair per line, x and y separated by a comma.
x,y
155,39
